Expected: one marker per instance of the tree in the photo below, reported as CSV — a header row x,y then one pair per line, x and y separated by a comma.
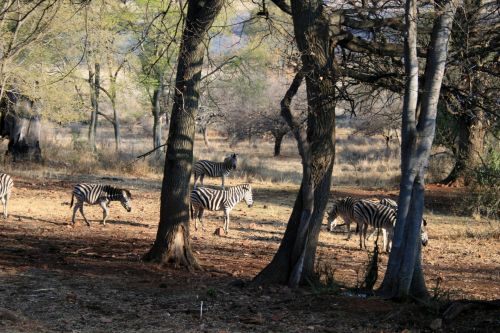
x,y
404,276
294,261
172,239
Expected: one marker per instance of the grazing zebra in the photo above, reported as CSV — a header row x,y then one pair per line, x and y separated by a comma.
x,y
376,215
214,169
207,198
99,194
424,237
6,185
344,208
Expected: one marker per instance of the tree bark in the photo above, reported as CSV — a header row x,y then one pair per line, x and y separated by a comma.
x,y
294,261
172,242
404,276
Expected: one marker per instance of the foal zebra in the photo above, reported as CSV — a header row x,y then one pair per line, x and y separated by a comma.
x,y
214,169
424,237
6,185
207,198
98,194
344,208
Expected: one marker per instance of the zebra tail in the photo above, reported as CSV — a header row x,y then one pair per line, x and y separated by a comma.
x,y
72,196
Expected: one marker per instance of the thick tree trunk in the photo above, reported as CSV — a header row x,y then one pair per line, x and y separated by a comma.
x,y
278,139
172,242
404,276
470,147
294,261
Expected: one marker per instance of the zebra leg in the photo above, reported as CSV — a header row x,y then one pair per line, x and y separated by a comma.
x,y
81,211
364,229
4,202
223,178
200,217
105,211
385,240
201,179
226,220
348,226
75,208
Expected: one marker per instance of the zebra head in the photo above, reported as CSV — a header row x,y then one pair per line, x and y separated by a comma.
x,y
423,232
332,217
125,198
248,195
231,161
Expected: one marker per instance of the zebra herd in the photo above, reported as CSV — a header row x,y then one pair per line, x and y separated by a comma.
x,y
380,215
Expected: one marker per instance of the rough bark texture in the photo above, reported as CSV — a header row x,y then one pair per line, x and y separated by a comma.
x,y
156,110
20,123
294,261
172,242
404,275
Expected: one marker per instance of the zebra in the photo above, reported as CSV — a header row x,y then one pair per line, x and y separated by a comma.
x,y
99,194
424,236
214,199
376,215
214,169
6,185
344,208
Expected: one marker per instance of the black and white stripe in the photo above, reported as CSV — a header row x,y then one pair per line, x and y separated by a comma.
x,y
214,169
208,198
344,208
94,194
6,185
424,236
382,218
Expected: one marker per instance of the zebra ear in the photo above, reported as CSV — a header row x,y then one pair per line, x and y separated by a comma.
x,y
425,222
129,195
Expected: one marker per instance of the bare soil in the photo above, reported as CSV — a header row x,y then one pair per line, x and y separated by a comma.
x,y
56,278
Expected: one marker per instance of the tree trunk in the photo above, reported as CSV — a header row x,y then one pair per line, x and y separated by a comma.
x,y
172,242
470,147
157,110
294,261
94,82
20,122
278,139
116,127
404,276
156,121
204,130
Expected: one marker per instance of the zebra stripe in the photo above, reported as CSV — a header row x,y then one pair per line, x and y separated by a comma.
x,y
213,199
94,194
344,208
368,213
424,236
214,169
6,185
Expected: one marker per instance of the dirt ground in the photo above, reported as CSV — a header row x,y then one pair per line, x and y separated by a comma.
x,y
55,278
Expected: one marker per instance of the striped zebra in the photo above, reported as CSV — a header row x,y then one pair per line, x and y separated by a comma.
x,y
382,218
6,185
344,208
424,236
213,199
94,194
214,169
